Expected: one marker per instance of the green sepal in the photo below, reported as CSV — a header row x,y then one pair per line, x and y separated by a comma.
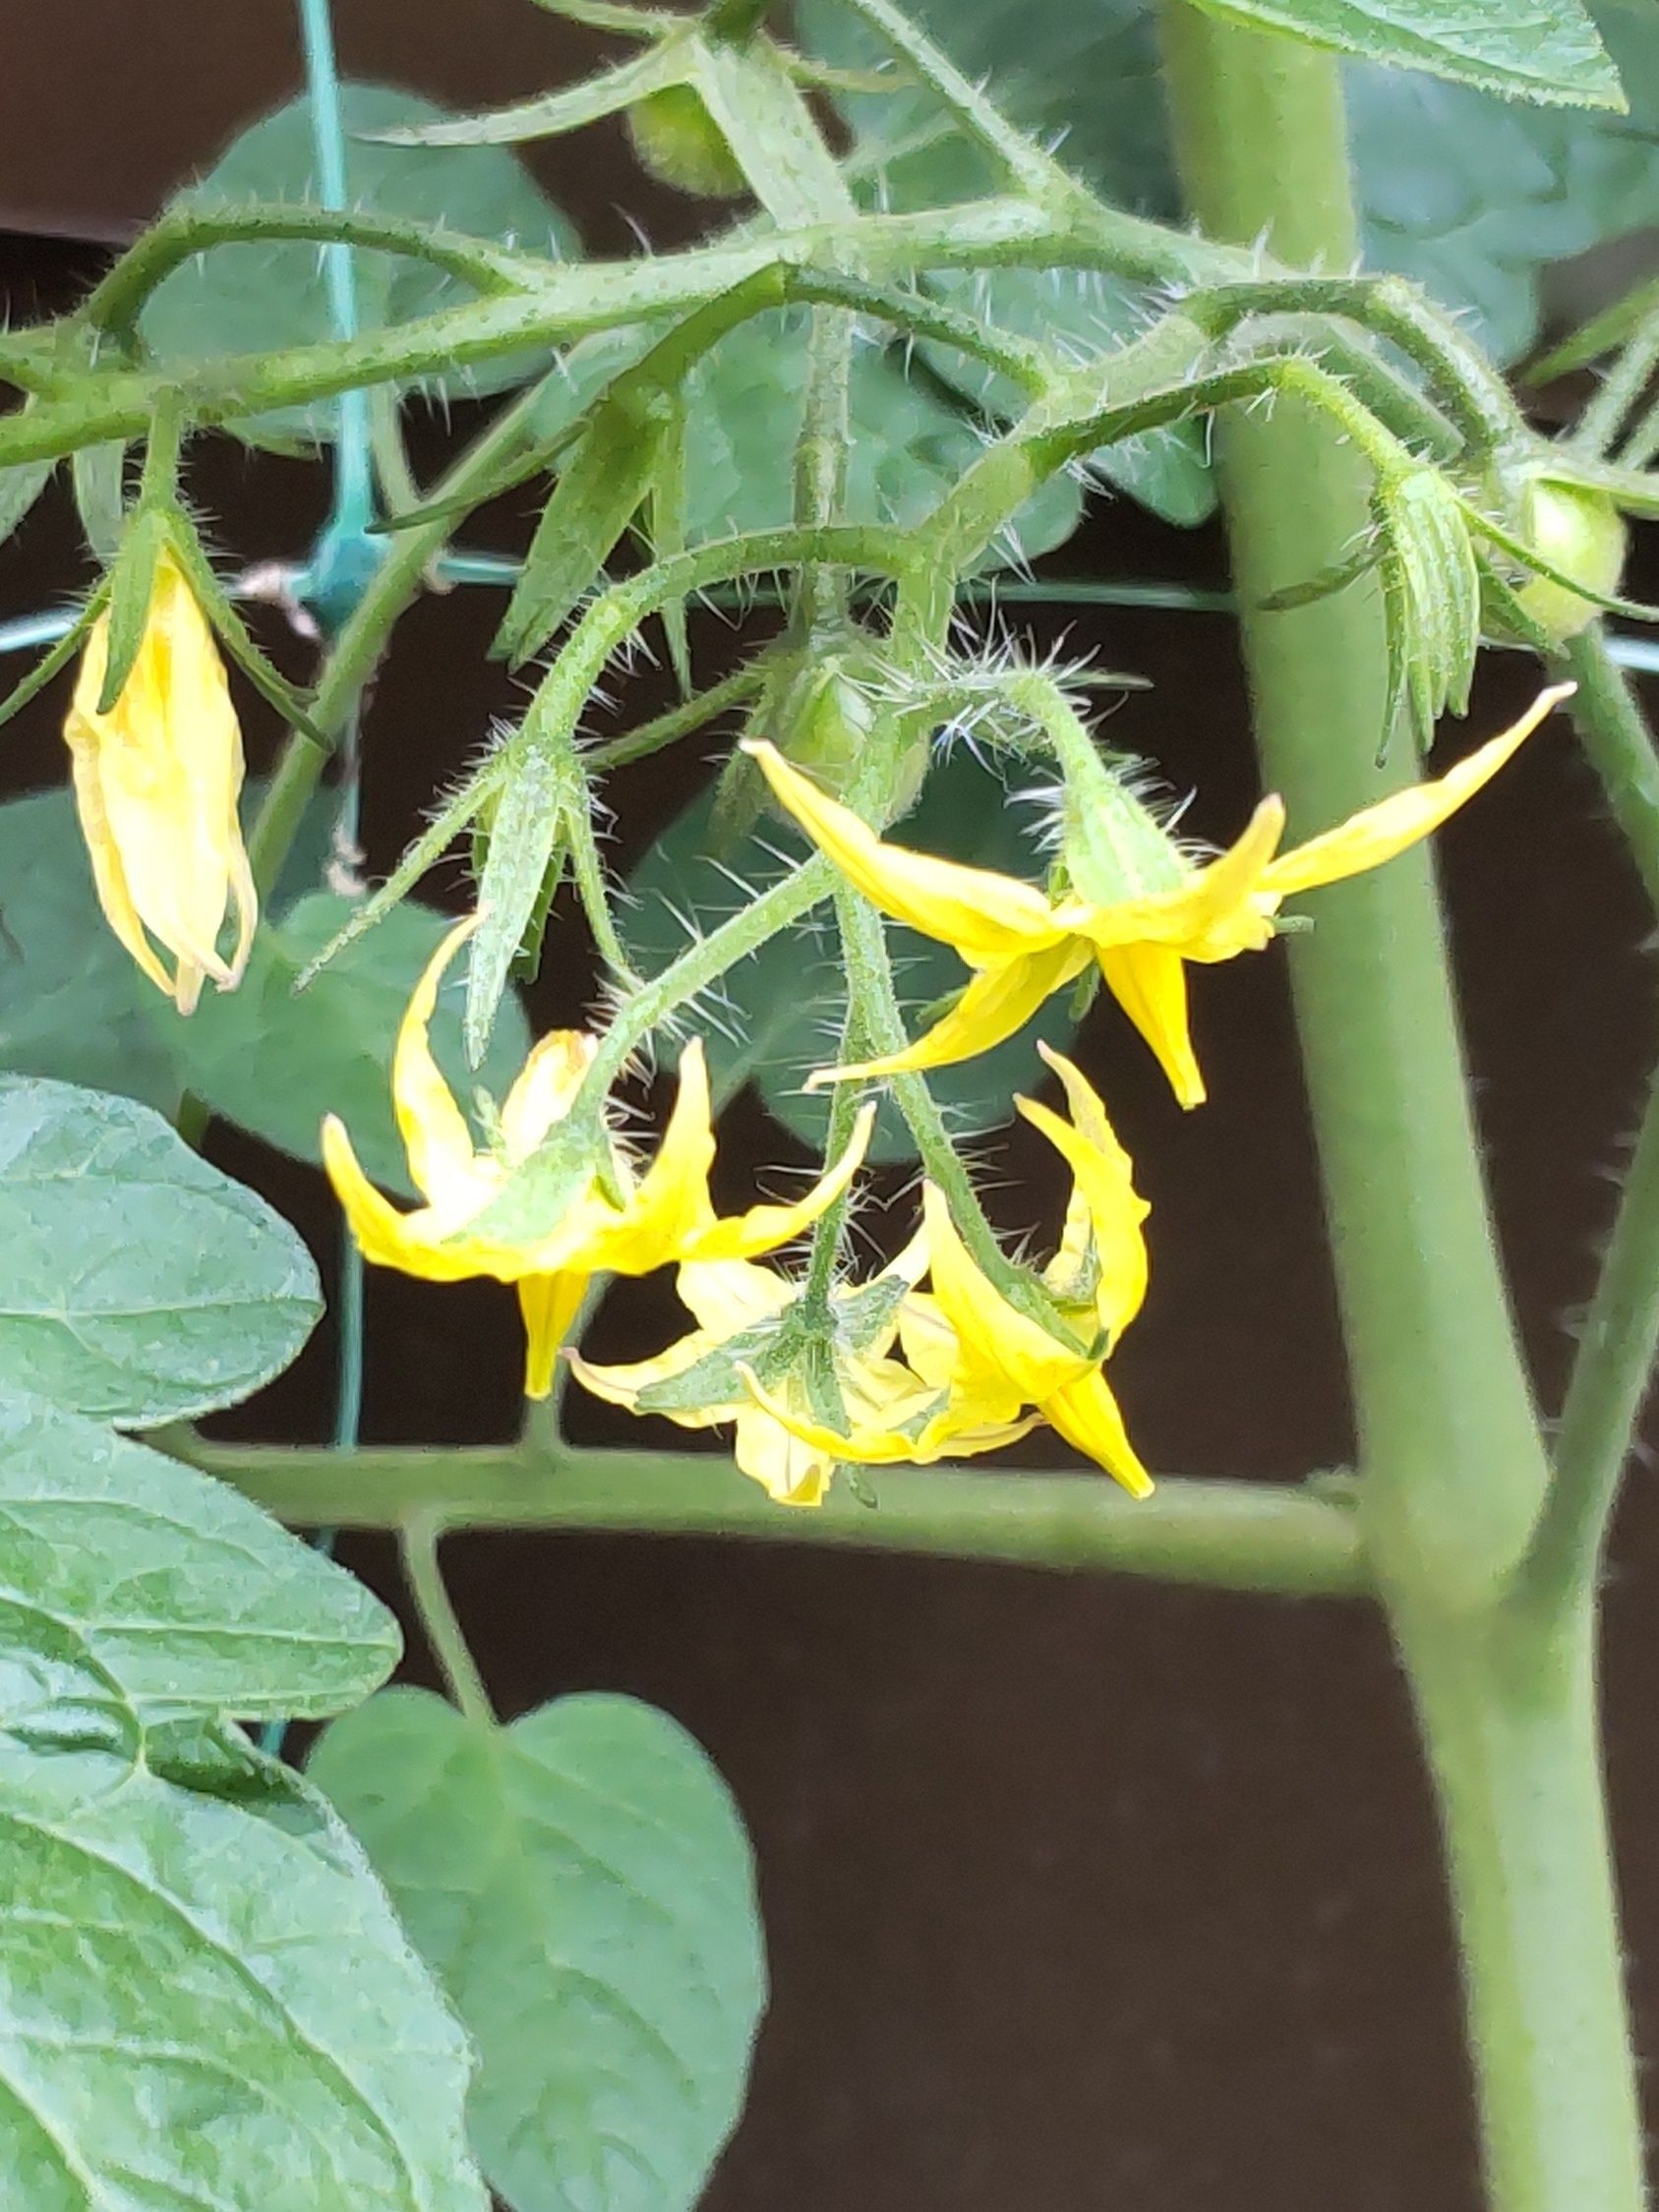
x,y
132,586
20,487
234,635
528,839
553,114
1328,581
596,495
424,852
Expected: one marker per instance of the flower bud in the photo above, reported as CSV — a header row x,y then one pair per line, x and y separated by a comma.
x,y
1580,531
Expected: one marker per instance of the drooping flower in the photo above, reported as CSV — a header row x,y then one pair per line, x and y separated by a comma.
x,y
614,1219
1140,930
749,1363
986,1357
156,783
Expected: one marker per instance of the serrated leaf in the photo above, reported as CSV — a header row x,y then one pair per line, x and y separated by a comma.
x,y
581,1885
778,1015
252,298
275,1062
1469,193
183,1594
142,1285
204,2002
1532,49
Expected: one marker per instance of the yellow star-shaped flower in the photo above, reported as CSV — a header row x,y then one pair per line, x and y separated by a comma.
x,y
1024,945
618,1220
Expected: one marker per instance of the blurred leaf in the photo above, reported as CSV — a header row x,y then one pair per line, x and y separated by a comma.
x,y
182,1593
205,1999
98,478
778,1013
250,298
1530,49
142,1285
1081,315
910,445
1468,194
582,1885
275,1062
72,1001
745,403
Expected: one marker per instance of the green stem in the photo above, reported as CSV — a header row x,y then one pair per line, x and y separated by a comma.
x,y
1610,1381
1455,1466
1287,1538
418,1537
1509,1718
1619,745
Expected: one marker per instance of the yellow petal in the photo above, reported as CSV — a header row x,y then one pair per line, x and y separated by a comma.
x,y
1215,901
992,1335
996,1003
789,1469
876,1448
728,1295
1107,1202
763,1228
544,1088
670,1205
388,1238
987,916
109,878
549,1304
1368,838
1087,1415
622,1386
1150,984
435,1132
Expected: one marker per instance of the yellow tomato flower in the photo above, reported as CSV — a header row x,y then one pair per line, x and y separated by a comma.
x,y
617,1221
156,782
986,1357
710,1378
1024,946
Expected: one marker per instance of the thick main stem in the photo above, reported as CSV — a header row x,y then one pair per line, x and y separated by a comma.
x,y
1455,1466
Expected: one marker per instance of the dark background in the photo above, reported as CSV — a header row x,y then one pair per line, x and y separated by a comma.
x,y
1078,1892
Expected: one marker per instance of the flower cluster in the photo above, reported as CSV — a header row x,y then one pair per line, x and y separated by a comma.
x,y
953,1348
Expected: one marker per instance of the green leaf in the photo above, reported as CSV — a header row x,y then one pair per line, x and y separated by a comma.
x,y
72,1001
142,1285
1084,315
1530,49
778,1015
180,1592
250,298
1468,194
206,2002
745,405
581,1884
910,445
275,1062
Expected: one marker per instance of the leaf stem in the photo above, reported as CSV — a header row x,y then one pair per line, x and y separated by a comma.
x,y
418,1534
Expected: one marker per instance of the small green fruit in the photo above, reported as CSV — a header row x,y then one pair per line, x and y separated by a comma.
x,y
680,145
1581,533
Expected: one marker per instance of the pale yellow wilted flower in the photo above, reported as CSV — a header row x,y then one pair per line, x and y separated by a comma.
x,y
156,784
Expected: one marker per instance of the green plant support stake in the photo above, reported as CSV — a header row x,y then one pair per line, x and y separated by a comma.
x,y
1502,1671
